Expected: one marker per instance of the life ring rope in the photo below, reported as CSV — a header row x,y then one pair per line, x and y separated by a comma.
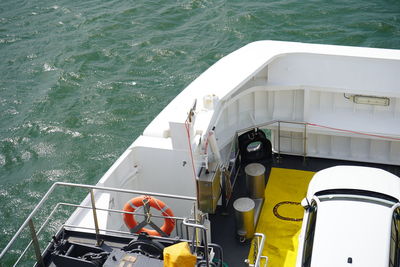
x,y
162,210
146,202
133,206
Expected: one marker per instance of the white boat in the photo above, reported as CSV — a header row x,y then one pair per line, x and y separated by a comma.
x,y
318,105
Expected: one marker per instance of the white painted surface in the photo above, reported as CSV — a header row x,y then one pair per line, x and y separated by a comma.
x,y
351,229
355,177
262,82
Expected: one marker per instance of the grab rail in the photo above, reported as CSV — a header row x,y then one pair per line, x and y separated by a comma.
x,y
308,127
279,122
34,233
259,240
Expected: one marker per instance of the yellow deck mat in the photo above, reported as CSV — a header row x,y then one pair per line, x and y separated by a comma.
x,y
283,194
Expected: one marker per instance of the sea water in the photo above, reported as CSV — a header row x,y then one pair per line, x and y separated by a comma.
x,y
80,80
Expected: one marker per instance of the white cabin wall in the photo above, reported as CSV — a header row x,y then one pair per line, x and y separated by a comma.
x,y
362,75
394,151
259,106
245,110
147,168
163,170
122,174
315,89
158,170
354,148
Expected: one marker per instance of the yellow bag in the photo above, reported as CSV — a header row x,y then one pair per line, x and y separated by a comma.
x,y
179,255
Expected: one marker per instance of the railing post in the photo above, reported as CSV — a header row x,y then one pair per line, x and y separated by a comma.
x,y
204,231
259,238
279,141
35,241
96,223
305,142
28,223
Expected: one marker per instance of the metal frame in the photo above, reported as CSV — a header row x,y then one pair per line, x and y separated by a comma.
x,y
196,226
260,239
263,125
91,188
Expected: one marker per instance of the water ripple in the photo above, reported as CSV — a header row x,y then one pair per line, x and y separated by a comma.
x,y
81,79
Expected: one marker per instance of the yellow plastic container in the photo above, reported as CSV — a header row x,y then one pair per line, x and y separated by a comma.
x,y
179,255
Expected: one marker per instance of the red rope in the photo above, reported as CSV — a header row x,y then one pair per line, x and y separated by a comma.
x,y
354,132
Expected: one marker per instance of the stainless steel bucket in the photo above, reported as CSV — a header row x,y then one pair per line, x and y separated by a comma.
x,y
255,180
244,215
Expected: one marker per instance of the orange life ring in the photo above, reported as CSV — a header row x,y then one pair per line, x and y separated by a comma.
x,y
137,202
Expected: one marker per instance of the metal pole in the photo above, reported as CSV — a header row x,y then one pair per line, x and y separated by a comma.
x,y
259,251
37,233
96,223
113,210
305,142
260,248
279,141
27,220
266,124
195,230
204,230
112,189
51,189
35,241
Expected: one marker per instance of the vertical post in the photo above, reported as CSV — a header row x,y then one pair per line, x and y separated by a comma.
x,y
96,223
223,189
205,247
195,230
279,141
204,233
35,241
305,142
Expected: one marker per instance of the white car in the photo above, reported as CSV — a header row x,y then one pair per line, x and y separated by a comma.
x,y
351,218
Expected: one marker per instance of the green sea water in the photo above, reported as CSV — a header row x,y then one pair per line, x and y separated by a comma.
x,y
80,80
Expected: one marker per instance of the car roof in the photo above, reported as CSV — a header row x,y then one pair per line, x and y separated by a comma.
x,y
357,178
354,229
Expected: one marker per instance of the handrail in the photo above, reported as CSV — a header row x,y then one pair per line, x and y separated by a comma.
x,y
260,125
310,127
259,256
304,154
204,230
84,186
88,228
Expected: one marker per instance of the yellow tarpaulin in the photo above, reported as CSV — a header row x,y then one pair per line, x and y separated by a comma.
x,y
281,215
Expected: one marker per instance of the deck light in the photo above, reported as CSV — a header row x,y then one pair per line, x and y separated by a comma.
x,y
371,100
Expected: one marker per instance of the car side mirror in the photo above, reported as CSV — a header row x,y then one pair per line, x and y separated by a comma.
x,y
305,204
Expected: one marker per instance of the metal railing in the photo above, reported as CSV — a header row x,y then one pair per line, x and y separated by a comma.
x,y
304,154
259,241
34,234
279,122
